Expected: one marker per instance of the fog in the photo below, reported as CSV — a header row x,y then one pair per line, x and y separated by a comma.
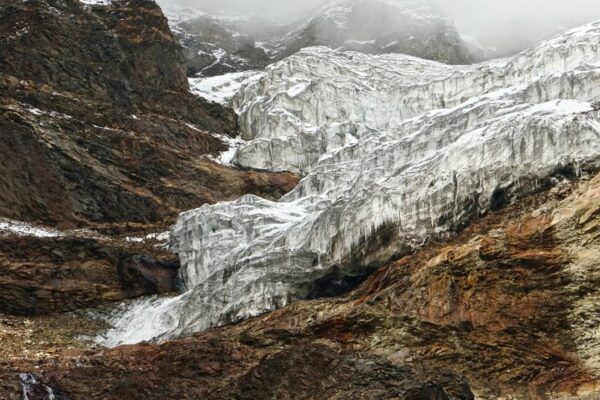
x,y
510,24
505,24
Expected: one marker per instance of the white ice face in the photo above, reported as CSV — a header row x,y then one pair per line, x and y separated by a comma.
x,y
390,147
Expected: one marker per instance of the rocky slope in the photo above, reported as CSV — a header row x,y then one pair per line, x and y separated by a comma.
x,y
103,129
395,151
101,140
215,46
219,44
70,271
510,304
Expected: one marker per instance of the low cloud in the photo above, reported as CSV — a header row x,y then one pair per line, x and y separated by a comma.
x,y
505,24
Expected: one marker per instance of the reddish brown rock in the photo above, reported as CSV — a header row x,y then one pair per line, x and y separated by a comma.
x,y
41,276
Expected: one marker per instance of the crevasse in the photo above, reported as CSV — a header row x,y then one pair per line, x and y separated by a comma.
x,y
394,150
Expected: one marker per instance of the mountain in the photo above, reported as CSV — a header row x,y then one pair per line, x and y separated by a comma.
x,y
344,224
102,141
219,44
214,46
103,129
378,27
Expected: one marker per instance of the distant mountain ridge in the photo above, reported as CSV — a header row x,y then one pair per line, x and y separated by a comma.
x,y
215,45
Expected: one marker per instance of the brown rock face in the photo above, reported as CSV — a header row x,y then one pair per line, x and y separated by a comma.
x,y
123,55
96,121
42,276
218,368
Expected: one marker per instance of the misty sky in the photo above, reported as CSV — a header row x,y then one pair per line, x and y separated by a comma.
x,y
491,22
497,21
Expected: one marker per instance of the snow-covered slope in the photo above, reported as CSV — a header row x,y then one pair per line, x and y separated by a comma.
x,y
395,150
222,88
288,131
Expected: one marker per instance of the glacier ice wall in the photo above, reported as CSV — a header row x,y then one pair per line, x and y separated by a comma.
x,y
394,150
292,113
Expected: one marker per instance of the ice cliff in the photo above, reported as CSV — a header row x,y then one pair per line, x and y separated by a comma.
x,y
394,150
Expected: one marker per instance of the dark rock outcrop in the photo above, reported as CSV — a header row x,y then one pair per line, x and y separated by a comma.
x,y
51,275
318,372
122,55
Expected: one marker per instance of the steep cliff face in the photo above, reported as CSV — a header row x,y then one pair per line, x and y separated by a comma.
x,y
396,151
124,52
97,124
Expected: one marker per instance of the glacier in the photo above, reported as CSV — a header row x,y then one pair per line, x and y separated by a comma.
x,y
393,151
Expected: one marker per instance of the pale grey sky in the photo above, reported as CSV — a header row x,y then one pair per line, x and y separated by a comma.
x,y
491,22
499,21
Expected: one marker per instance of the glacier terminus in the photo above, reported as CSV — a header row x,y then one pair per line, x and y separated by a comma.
x,y
393,150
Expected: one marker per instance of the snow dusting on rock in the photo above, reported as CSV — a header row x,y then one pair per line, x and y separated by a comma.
x,y
24,229
97,2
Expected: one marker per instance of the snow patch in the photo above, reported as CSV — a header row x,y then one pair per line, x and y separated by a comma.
x,y
221,89
24,229
226,157
97,2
